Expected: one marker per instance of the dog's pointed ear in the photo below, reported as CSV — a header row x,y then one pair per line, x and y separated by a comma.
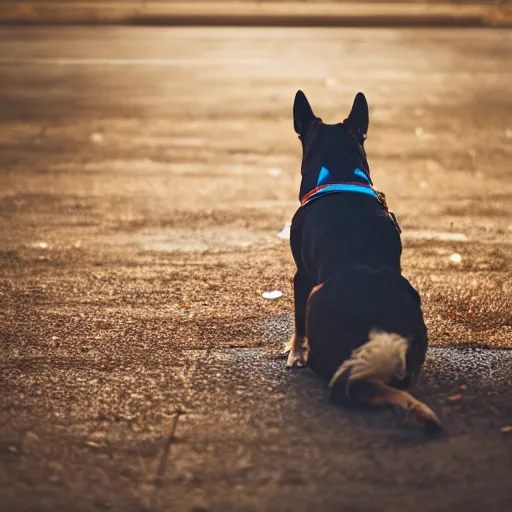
x,y
359,117
302,113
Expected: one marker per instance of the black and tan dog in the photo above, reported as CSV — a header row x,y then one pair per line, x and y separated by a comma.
x,y
358,321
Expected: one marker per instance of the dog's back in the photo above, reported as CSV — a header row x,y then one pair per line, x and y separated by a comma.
x,y
342,230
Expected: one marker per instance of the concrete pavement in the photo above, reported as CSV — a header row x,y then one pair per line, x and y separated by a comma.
x,y
145,175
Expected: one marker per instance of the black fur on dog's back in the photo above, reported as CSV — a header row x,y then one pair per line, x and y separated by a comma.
x,y
342,230
349,243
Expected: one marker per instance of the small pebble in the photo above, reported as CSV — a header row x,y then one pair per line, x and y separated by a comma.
x,y
455,398
93,444
456,258
507,429
40,245
96,137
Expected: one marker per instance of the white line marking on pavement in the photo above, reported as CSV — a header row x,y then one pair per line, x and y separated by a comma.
x,y
72,61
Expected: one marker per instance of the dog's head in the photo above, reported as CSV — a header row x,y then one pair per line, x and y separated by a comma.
x,y
336,147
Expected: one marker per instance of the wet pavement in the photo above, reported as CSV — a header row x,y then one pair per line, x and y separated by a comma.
x,y
145,177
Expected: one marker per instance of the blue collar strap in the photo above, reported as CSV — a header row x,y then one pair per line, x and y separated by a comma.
x,y
323,190
324,185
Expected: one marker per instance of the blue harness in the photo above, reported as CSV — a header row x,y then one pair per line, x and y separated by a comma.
x,y
323,188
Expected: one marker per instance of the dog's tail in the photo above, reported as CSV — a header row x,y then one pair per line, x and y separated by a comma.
x,y
366,375
380,359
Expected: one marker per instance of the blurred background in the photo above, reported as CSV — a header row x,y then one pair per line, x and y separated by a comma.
x,y
148,173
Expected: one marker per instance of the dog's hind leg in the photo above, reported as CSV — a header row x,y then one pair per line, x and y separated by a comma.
x,y
298,348
378,394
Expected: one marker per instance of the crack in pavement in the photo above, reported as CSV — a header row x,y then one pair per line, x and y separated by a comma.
x,y
164,459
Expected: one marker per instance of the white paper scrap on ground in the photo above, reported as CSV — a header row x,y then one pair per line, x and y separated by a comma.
x,y
272,295
284,234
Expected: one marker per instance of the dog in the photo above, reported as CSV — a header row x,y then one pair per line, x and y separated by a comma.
x,y
358,320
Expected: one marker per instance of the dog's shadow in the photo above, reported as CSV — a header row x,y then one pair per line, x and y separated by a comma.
x,y
314,395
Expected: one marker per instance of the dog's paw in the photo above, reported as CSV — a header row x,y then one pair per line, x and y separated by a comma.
x,y
298,355
297,358
285,352
420,413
